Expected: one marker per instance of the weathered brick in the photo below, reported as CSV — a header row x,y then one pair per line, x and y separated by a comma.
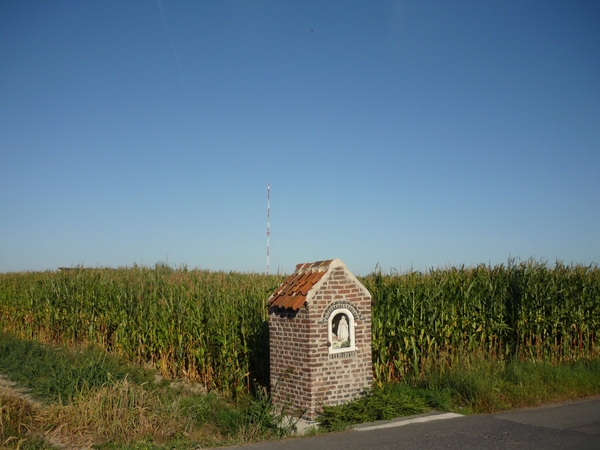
x,y
299,342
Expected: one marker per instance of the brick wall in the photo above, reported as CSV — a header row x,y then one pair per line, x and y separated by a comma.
x,y
289,359
306,373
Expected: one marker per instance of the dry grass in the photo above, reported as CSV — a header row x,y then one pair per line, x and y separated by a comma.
x,y
122,412
17,418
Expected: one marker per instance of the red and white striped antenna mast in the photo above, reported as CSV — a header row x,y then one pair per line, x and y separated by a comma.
x,y
268,225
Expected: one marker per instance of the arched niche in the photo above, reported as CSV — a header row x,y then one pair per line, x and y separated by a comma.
x,y
341,336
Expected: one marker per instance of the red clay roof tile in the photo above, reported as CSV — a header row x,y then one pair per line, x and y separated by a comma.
x,y
299,303
293,291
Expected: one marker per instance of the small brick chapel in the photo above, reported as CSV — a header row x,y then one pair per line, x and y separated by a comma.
x,y
320,338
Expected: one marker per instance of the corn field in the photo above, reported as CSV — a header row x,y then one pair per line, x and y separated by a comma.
x,y
429,321
211,327
204,326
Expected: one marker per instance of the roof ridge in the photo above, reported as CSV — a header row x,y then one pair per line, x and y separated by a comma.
x,y
317,266
295,289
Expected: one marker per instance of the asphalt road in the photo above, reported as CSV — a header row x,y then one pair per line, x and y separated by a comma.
x,y
573,425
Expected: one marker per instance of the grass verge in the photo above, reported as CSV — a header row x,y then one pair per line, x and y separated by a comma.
x,y
54,374
486,387
87,398
480,387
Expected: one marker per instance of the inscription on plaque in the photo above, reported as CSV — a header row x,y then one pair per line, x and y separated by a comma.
x,y
342,355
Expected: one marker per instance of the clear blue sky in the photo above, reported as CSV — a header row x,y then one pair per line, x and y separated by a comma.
x,y
405,134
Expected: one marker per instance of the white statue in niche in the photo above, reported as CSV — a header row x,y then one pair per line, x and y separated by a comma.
x,y
341,335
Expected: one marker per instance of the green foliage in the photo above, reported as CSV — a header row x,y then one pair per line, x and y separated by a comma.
x,y
252,415
134,413
484,386
444,318
382,403
124,409
54,374
212,326
205,326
